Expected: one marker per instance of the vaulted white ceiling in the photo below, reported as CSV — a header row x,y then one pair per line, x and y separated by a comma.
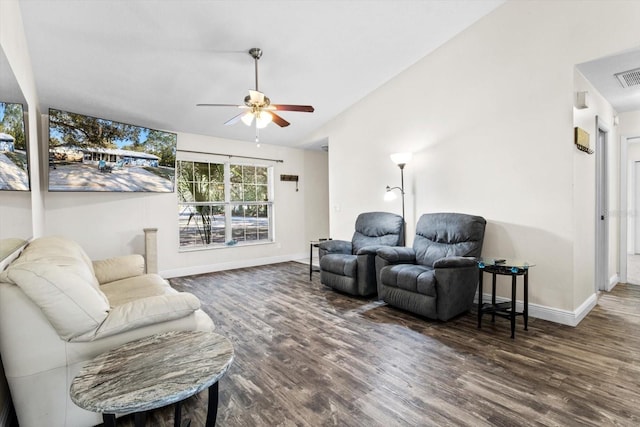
x,y
148,62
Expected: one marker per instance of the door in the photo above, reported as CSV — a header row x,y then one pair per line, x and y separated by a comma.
x,y
602,203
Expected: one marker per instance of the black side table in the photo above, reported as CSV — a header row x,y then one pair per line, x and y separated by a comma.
x,y
507,310
314,244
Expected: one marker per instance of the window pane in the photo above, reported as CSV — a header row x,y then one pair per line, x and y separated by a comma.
x,y
249,174
236,173
185,178
201,225
216,191
249,193
236,192
217,172
218,221
263,222
262,193
250,223
201,191
186,170
261,175
201,171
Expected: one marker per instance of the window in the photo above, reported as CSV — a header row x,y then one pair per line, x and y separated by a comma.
x,y
224,204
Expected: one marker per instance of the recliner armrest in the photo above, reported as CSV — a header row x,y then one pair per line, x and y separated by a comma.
x,y
455,262
369,250
397,254
335,247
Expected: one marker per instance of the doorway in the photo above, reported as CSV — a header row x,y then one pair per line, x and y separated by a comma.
x,y
630,209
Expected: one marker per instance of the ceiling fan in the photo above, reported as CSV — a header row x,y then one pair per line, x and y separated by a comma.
x,y
257,106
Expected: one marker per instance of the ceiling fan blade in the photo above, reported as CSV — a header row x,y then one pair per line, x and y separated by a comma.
x,y
235,119
279,120
303,108
256,97
219,105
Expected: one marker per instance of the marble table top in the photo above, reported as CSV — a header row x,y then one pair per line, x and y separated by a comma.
x,y
152,372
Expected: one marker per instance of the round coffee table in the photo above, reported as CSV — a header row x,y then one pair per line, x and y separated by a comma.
x,y
153,372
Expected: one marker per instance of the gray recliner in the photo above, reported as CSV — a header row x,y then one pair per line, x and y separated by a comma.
x,y
350,266
438,277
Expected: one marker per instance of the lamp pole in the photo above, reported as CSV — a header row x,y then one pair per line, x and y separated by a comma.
x,y
401,166
401,159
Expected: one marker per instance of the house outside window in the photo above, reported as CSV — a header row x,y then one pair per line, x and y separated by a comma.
x,y
224,204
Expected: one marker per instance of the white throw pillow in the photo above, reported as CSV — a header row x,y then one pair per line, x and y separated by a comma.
x,y
65,295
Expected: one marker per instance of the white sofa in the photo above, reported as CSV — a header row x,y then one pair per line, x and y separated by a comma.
x,y
58,309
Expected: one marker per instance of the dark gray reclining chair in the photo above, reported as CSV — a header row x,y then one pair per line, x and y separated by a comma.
x,y
438,277
350,266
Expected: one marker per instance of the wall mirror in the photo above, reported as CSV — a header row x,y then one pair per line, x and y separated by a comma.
x,y
15,206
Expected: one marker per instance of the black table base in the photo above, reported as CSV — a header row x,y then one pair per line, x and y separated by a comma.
x,y
506,309
140,418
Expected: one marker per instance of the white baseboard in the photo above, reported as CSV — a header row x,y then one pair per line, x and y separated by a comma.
x,y
243,263
552,314
613,281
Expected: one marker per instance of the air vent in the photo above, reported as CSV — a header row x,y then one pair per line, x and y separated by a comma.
x,y
629,78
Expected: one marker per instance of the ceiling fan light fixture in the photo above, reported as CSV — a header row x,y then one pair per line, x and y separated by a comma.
x,y
263,118
247,118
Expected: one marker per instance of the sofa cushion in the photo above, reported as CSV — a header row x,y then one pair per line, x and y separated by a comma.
x,y
67,298
341,264
117,268
50,247
126,290
57,251
147,311
410,277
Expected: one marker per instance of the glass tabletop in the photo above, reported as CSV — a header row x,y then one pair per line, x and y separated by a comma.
x,y
503,262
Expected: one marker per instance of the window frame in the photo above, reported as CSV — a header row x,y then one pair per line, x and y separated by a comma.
x,y
228,206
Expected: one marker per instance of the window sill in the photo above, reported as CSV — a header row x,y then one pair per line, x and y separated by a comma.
x,y
222,246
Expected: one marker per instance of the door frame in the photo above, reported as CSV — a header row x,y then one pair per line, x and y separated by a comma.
x,y
602,205
625,214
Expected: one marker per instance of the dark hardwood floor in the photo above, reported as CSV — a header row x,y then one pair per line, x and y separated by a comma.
x,y
309,356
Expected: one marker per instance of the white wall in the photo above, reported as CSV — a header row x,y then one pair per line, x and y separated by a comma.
x,y
108,224
316,198
585,190
489,117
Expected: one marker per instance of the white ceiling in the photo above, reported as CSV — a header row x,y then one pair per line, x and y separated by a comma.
x,y
601,74
148,62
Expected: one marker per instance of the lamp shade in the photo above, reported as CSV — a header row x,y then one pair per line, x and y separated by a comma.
x,y
247,118
389,196
401,158
263,118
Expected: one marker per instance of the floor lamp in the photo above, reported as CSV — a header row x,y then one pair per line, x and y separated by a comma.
x,y
400,159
